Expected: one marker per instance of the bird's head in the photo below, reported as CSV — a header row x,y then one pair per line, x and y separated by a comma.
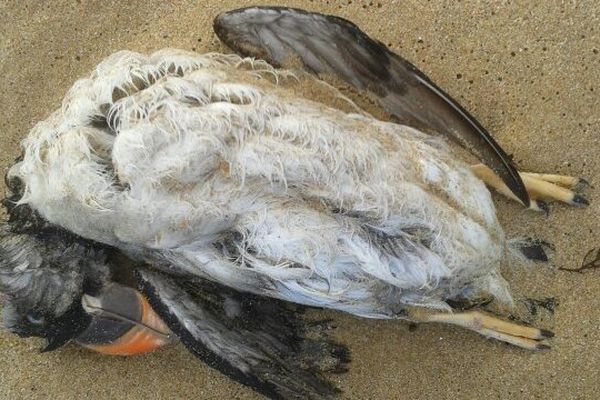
x,y
58,286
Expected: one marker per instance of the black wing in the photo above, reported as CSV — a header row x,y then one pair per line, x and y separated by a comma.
x,y
328,44
260,342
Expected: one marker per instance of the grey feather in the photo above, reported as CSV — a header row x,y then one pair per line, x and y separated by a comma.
x,y
37,275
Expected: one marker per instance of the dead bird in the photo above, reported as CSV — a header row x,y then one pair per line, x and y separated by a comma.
x,y
217,187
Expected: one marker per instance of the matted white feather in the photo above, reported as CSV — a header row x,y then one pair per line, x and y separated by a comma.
x,y
196,146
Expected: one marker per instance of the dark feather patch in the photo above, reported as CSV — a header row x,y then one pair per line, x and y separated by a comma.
x,y
259,342
534,249
21,217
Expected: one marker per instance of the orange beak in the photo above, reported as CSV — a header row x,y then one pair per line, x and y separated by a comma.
x,y
123,323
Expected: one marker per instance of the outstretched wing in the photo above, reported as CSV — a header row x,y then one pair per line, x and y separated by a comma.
x,y
259,342
332,45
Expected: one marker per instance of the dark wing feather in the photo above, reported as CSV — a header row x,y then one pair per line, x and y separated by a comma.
x,y
259,342
332,45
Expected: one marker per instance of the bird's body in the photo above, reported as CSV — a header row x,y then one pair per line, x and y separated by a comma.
x,y
215,169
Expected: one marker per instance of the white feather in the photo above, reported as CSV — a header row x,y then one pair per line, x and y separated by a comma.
x,y
198,145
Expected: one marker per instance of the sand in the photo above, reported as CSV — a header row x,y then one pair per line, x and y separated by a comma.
x,y
530,73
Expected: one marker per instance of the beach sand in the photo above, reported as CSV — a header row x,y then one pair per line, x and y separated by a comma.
x,y
530,74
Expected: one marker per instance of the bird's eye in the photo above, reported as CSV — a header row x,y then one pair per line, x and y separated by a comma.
x,y
35,318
